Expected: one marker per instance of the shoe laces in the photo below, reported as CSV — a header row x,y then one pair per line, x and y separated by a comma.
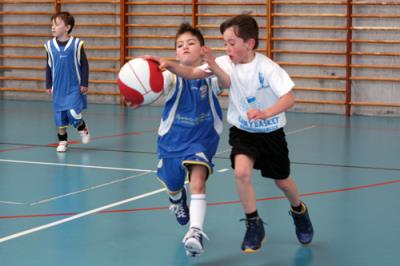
x,y
253,223
178,209
63,143
195,233
84,132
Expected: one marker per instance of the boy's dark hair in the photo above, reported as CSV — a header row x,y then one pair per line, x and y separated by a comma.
x,y
244,26
186,27
66,17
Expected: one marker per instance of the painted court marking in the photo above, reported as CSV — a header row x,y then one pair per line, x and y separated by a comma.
x,y
85,190
83,214
79,165
11,202
77,216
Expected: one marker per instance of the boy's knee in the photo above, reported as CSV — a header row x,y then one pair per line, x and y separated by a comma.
x,y
285,184
243,175
197,187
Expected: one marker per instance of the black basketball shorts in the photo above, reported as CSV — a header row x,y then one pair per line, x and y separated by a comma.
x,y
268,150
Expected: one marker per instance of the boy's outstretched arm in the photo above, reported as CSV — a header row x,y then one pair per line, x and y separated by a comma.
x,y
183,71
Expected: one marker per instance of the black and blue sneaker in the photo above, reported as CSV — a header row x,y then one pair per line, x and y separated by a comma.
x,y
181,209
304,228
255,235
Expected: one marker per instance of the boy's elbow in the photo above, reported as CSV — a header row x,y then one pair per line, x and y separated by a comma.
x,y
289,100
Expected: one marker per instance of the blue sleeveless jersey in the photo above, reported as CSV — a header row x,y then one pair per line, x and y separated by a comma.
x,y
64,63
191,121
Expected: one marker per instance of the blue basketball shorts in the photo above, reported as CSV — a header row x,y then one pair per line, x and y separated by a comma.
x,y
172,172
68,117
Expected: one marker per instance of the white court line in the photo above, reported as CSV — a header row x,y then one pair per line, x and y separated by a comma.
x,y
288,133
11,202
223,170
77,216
78,165
301,129
84,190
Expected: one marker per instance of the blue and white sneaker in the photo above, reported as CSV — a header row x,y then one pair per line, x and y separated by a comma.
x,y
304,228
181,209
193,242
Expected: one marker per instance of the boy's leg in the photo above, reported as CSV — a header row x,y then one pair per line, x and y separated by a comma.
x,y
84,132
198,203
62,140
75,118
193,240
172,174
244,185
62,125
255,232
298,211
289,188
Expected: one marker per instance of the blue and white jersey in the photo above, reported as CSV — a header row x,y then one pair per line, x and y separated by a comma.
x,y
64,63
192,118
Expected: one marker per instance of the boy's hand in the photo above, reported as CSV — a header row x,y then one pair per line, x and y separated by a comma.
x,y
254,114
162,63
84,90
209,57
49,92
129,104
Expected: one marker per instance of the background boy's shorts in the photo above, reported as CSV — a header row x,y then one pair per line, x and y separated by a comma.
x,y
68,117
172,172
269,151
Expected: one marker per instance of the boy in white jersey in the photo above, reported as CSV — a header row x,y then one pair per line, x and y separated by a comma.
x,y
67,78
260,93
188,137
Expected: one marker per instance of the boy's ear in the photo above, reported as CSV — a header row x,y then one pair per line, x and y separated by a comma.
x,y
250,43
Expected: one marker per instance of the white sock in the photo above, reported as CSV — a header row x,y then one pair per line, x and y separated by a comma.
x,y
198,205
176,197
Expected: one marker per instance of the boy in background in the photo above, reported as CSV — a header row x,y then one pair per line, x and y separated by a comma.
x,y
67,78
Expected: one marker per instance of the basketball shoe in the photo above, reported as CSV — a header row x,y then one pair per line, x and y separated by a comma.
x,y
180,209
85,136
255,235
193,242
304,228
62,146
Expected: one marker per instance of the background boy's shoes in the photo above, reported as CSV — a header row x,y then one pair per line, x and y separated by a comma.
x,y
193,242
304,228
62,146
180,209
255,235
85,136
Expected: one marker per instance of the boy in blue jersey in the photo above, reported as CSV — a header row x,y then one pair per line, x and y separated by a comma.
x,y
188,137
67,78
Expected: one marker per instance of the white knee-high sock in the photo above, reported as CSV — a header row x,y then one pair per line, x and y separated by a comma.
x,y
198,205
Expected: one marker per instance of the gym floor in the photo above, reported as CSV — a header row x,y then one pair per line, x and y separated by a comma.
x,y
101,204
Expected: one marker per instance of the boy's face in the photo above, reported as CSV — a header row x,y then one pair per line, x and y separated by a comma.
x,y
59,29
188,50
238,50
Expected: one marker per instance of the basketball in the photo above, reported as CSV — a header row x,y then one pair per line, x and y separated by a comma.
x,y
140,81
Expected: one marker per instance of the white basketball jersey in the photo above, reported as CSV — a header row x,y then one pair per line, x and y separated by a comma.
x,y
255,85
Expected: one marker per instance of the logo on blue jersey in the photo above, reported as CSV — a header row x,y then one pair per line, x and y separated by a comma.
x,y
203,91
